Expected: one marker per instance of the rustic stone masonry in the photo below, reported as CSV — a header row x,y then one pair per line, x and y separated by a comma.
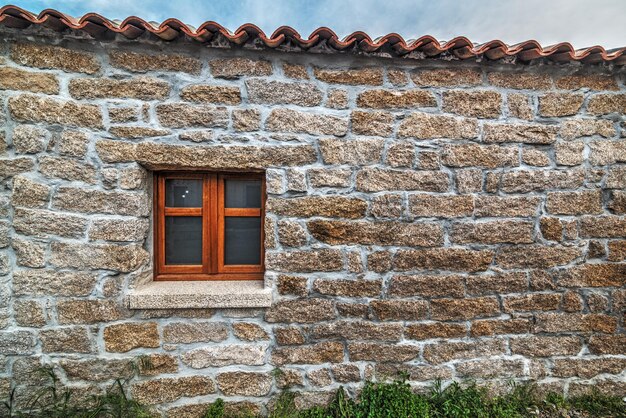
x,y
454,220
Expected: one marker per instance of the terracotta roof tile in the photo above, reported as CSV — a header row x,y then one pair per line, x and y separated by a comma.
x,y
425,46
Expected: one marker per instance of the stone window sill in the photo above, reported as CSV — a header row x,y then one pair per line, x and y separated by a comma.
x,y
201,294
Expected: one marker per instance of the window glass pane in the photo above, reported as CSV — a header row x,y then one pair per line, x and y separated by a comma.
x,y
183,240
183,193
242,193
242,240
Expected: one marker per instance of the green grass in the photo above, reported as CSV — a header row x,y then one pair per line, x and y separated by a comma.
x,y
376,400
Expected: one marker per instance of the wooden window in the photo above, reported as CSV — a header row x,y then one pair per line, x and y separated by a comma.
x,y
209,226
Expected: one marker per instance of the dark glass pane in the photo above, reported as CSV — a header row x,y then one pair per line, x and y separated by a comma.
x,y
183,193
242,240
242,193
183,240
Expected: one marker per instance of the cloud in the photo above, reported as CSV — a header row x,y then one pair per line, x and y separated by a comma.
x,y
581,22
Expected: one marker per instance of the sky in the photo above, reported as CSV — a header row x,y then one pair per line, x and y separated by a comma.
x,y
583,23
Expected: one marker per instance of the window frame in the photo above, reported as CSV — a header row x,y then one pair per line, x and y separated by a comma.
x,y
213,214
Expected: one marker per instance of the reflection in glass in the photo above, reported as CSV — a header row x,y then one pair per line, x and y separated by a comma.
x,y
242,193
183,193
183,240
242,240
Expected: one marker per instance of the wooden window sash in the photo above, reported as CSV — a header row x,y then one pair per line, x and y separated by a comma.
x,y
213,215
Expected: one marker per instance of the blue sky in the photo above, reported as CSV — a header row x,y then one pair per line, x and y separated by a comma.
x,y
581,22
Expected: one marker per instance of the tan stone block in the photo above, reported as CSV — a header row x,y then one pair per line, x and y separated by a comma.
x,y
52,283
489,327
324,352
384,99
155,364
476,103
246,120
608,226
224,355
337,99
400,310
120,338
474,155
587,368
546,346
397,77
586,81
29,313
607,344
28,253
464,309
122,258
231,68
346,373
244,383
377,233
617,251
536,256
380,179
593,275
387,206
560,104
319,377
376,123
288,120
348,287
427,285
43,223
288,336
400,154
429,330
574,203
569,153
29,139
292,285
73,143
98,370
137,132
492,368
353,152
329,177
55,57
382,353
169,389
29,193
574,322
445,77
469,180
67,169
10,167
211,94
17,79
577,128
277,92
296,71
605,152
365,76
519,106
301,311
141,63
492,232
144,88
443,352
455,259
497,283
291,234
128,229
524,133
539,158
524,181
183,115
28,107
66,340
357,330
192,332
326,206
429,126
353,310
89,311
96,201
247,331
532,302
603,104
520,80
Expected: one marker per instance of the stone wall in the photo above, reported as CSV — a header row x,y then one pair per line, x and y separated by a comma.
x,y
454,220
